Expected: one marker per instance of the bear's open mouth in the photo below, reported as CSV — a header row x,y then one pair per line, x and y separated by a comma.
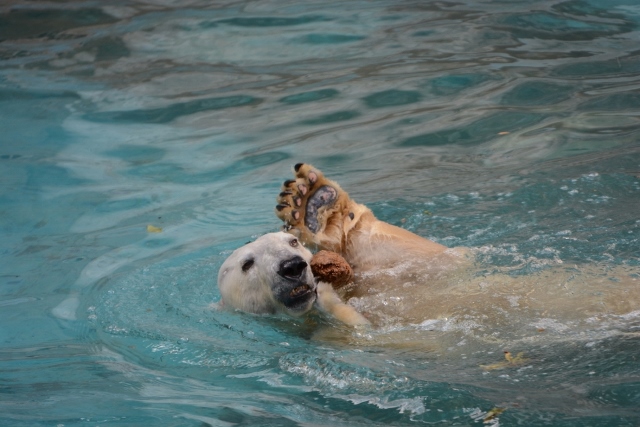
x,y
299,291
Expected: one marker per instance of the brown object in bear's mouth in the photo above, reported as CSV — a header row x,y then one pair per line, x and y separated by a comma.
x,y
332,268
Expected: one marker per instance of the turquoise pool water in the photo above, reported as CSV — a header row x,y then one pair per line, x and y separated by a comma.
x,y
512,127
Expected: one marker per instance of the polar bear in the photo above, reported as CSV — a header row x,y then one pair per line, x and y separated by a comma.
x,y
401,277
273,275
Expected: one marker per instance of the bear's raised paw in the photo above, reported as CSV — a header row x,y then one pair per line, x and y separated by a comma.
x,y
307,203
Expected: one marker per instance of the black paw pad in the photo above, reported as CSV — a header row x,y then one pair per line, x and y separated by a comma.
x,y
324,196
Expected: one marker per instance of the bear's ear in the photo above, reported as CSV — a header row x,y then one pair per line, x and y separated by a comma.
x,y
247,264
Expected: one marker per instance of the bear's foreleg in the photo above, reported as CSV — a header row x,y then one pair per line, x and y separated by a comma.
x,y
329,302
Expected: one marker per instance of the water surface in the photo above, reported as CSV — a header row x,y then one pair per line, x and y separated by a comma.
x,y
512,127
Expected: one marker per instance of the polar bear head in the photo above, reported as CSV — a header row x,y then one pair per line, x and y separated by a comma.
x,y
271,274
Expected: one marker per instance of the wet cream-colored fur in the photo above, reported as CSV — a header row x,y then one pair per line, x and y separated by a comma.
x,y
401,277
254,279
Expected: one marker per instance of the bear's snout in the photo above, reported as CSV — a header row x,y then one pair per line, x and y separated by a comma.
x,y
292,268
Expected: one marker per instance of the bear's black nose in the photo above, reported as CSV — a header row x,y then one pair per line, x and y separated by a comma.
x,y
292,268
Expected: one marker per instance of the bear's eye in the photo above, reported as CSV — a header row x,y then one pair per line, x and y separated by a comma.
x,y
294,243
247,264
